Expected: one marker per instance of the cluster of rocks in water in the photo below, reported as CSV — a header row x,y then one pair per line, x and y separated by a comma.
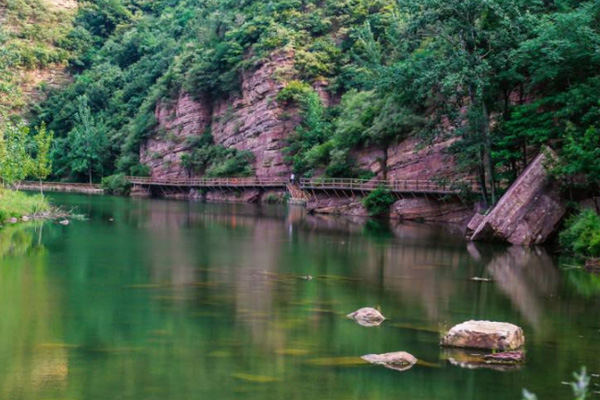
x,y
502,342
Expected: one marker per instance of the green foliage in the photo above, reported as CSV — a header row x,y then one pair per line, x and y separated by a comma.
x,y
378,202
312,132
14,204
216,160
116,184
15,161
41,166
580,387
294,91
581,235
31,36
84,150
504,78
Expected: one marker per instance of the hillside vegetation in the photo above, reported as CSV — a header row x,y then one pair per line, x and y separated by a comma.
x,y
33,50
503,77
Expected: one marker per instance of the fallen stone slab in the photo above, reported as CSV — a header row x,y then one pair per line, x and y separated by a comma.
x,y
485,335
399,361
528,213
367,316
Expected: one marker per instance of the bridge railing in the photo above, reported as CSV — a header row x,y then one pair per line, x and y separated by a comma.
x,y
405,185
210,182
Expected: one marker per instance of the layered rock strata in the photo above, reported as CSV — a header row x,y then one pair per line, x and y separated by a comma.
x,y
530,210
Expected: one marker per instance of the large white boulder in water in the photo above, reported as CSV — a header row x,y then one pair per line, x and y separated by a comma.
x,y
485,335
400,360
367,316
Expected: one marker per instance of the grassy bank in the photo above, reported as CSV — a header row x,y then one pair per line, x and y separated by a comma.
x,y
14,204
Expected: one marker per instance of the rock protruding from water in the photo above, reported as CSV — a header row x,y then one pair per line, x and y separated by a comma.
x,y
400,360
485,335
528,213
367,316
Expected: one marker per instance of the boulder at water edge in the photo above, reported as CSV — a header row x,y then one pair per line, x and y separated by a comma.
x,y
367,316
485,335
400,360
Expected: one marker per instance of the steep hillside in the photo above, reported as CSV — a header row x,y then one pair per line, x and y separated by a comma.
x,y
347,88
33,56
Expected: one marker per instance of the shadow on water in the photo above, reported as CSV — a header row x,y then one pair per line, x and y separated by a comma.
x,y
168,300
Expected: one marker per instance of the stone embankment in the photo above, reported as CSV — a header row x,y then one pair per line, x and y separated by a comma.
x,y
62,187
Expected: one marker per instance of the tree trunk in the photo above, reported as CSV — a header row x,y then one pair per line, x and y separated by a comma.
x,y
90,174
487,142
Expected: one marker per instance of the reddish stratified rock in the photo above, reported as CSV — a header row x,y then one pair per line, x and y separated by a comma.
x,y
367,316
177,120
508,357
245,196
508,361
399,361
485,335
530,210
431,210
255,120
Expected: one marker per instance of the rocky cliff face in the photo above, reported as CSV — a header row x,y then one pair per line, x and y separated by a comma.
x,y
252,120
177,121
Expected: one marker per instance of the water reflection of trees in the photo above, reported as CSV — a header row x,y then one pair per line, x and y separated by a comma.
x,y
177,300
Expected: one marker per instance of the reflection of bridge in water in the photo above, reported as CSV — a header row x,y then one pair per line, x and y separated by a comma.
x,y
336,185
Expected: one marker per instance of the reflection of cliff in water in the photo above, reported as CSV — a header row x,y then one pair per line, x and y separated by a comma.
x,y
398,258
526,276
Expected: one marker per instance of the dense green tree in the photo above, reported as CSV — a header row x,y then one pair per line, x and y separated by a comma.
x,y
85,149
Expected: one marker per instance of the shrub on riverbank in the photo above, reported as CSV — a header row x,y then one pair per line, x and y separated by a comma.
x,y
14,204
581,235
116,184
378,202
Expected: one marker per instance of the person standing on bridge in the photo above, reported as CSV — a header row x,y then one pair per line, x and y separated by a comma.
x,y
293,178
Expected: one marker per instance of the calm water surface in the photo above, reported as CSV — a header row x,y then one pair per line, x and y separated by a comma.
x,y
177,300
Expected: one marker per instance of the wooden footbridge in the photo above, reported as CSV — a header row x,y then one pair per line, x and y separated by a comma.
x,y
341,185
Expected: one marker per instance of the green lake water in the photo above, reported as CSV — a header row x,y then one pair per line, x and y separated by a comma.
x,y
178,300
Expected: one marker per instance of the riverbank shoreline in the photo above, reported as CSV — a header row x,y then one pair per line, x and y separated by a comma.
x,y
60,187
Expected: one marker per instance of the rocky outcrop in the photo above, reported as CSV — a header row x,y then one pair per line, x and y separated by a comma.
x,y
252,120
177,120
431,210
485,335
399,361
255,120
367,316
530,210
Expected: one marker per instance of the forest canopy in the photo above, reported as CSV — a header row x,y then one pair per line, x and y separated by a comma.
x,y
506,77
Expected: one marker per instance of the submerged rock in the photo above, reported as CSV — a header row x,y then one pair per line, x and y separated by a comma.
x,y
367,316
13,220
485,335
528,213
400,360
25,218
508,357
508,361
64,222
